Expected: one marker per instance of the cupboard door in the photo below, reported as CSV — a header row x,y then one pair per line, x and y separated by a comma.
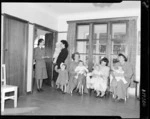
x,y
49,52
15,52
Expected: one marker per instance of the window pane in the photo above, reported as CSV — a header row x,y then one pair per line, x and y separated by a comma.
x,y
84,58
100,31
100,38
82,46
97,58
83,32
119,31
118,48
99,48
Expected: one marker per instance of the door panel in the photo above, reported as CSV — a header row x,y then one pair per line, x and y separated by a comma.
x,y
49,52
15,52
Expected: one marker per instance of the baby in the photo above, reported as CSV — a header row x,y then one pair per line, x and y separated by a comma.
x,y
81,69
118,73
57,51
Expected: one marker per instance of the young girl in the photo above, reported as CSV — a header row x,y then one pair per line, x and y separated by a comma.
x,y
82,71
62,79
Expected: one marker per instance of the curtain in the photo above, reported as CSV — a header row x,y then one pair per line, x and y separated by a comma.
x,y
132,47
71,41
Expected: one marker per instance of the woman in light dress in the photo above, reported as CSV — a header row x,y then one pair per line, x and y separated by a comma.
x,y
99,79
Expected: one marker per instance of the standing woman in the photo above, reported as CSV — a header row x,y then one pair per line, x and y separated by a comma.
x,y
61,58
40,67
121,89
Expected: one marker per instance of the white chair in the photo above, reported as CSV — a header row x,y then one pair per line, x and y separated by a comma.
x,y
6,89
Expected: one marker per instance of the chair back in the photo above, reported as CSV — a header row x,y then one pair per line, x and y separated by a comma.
x,y
3,75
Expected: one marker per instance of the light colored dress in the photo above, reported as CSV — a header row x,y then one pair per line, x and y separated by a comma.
x,y
40,67
100,83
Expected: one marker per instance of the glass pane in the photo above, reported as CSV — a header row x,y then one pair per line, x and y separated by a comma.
x,y
100,39
118,48
82,46
84,58
99,48
97,58
100,31
83,32
119,31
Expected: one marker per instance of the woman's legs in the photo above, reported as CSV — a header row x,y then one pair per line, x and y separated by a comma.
x,y
41,82
38,84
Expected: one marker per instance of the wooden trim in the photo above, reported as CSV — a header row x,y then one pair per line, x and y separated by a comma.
x,y
43,28
62,31
103,20
15,18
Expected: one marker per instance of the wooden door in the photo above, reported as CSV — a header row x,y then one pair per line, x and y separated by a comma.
x,y
49,52
15,52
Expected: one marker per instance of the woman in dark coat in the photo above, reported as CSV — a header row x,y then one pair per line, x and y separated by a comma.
x,y
61,58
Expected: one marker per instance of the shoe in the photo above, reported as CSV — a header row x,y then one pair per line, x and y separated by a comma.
x,y
38,90
41,90
102,95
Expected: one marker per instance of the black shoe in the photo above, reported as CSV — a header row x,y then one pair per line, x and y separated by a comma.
x,y
38,90
41,90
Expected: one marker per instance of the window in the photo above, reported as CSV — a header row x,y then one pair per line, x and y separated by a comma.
x,y
99,42
82,42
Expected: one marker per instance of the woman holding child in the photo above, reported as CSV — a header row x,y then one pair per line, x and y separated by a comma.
x,y
99,77
121,86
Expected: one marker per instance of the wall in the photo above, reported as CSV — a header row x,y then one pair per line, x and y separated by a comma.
x,y
31,13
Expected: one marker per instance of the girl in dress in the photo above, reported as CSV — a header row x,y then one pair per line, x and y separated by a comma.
x,y
62,79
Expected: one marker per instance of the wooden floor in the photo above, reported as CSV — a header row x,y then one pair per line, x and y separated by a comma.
x,y
53,102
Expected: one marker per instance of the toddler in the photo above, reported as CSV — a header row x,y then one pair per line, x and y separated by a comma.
x,y
62,79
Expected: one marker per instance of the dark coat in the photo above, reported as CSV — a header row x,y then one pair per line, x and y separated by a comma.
x,y
62,57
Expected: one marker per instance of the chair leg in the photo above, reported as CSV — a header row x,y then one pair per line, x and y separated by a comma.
x,y
15,100
2,102
82,89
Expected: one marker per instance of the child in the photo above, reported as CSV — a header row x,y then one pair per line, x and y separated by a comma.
x,y
57,51
62,79
118,73
91,77
81,70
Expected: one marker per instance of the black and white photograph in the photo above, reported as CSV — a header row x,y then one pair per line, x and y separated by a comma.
x,y
72,59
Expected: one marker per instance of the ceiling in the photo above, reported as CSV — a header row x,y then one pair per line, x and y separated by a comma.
x,y
69,8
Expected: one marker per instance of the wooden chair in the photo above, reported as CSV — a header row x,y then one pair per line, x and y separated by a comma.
x,y
6,89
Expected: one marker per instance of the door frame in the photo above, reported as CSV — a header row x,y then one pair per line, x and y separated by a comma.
x,y
55,37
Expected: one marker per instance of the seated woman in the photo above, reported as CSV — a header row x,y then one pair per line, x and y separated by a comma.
x,y
72,80
118,74
81,71
100,85
121,87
